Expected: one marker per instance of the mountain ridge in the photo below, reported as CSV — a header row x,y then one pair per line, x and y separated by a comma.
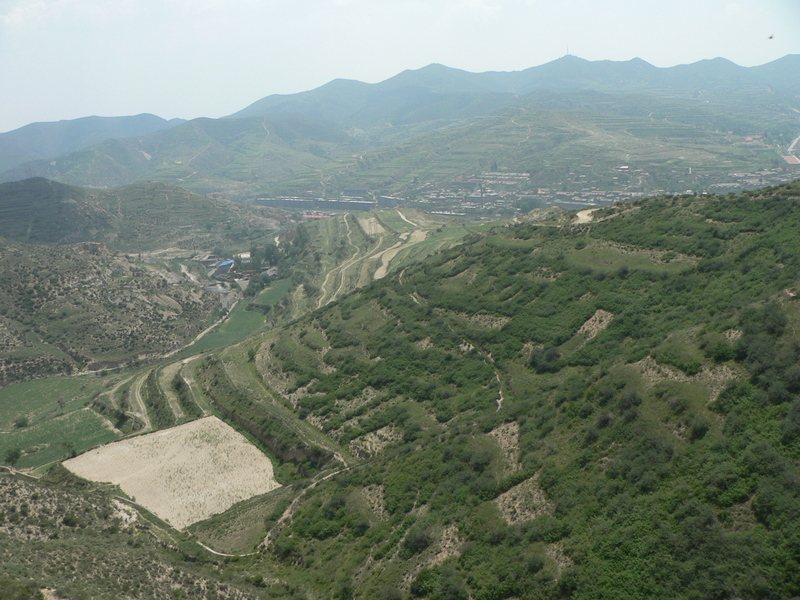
x,y
45,140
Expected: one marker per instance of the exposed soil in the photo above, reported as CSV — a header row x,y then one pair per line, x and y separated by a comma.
x,y
507,437
373,495
449,545
523,502
585,216
374,442
387,256
184,474
371,225
594,325
485,320
714,379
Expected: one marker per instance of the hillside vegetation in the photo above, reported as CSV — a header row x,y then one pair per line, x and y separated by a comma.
x,y
93,279
136,218
549,410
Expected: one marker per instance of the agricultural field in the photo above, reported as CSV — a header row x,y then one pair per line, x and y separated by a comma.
x,y
42,398
185,474
243,321
57,438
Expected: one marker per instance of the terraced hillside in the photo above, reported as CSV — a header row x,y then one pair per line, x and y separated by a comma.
x,y
552,410
594,406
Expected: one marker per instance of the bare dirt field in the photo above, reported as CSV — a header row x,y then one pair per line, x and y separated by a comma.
x,y
185,474
370,225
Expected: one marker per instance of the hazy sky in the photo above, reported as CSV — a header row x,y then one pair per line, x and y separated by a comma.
x,y
64,59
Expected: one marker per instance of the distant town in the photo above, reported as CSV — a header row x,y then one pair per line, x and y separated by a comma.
x,y
503,193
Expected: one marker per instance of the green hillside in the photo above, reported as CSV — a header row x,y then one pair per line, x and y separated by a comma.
x,y
596,407
586,411
136,218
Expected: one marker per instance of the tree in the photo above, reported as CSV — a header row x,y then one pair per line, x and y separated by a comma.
x,y
12,456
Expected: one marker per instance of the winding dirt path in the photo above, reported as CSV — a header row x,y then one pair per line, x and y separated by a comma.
x,y
292,508
402,216
136,396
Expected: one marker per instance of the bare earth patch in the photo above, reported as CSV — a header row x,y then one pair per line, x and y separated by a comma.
x,y
715,380
449,545
373,495
370,225
185,474
523,502
372,443
595,324
507,437
485,320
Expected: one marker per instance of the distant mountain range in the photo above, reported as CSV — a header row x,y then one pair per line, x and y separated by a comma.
x,y
353,103
47,140
437,124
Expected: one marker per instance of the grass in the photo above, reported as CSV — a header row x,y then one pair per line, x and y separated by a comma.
x,y
57,438
608,257
242,527
240,323
38,399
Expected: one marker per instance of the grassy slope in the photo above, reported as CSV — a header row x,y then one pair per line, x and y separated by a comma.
x,y
654,455
656,459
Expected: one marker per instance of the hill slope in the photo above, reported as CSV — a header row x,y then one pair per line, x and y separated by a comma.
x,y
602,406
47,140
555,410
134,218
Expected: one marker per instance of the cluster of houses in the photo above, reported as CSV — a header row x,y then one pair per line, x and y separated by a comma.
x,y
233,270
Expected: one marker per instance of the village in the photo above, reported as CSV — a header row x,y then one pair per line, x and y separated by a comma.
x,y
497,194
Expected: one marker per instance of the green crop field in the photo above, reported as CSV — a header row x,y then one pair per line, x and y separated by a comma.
x,y
42,398
57,438
241,322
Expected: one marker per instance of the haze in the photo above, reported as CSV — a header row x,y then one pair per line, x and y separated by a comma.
x,y
64,59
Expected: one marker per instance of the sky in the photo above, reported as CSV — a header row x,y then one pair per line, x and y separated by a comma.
x,y
65,59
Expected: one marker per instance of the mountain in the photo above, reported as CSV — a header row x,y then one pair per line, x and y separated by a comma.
x,y
348,103
221,156
47,140
684,127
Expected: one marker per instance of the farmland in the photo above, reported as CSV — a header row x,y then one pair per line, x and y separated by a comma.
x,y
185,474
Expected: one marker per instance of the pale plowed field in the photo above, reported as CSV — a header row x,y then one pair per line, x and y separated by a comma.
x,y
185,474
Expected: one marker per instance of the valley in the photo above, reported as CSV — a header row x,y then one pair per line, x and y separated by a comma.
x,y
549,362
